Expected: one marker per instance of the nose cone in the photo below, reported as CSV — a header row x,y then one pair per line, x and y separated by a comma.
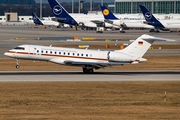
x,y
8,54
5,53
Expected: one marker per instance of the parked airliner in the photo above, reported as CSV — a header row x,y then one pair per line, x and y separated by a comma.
x,y
164,25
46,22
85,58
82,20
128,23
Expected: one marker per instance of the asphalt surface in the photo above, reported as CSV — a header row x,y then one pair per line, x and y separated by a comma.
x,y
75,76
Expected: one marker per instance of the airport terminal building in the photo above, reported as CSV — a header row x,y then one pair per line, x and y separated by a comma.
x,y
155,6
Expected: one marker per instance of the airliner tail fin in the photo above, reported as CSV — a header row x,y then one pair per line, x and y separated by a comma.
x,y
59,12
36,19
108,15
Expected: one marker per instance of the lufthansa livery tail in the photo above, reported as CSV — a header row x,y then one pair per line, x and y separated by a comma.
x,y
149,17
60,13
108,15
36,19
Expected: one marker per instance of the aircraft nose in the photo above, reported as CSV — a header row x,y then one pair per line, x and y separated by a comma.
x,y
7,54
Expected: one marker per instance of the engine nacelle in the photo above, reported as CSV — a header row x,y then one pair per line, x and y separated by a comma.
x,y
120,57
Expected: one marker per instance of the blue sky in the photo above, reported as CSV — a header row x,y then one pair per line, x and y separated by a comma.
x,y
45,1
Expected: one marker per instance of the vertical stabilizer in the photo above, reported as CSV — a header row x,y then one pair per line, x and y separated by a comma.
x,y
149,17
36,19
140,46
108,15
59,12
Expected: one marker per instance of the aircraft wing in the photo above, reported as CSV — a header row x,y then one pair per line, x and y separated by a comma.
x,y
97,21
95,64
81,63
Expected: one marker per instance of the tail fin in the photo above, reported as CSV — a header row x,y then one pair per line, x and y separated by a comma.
x,y
36,19
149,17
108,15
61,13
140,46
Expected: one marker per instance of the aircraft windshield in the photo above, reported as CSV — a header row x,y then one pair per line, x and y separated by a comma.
x,y
19,48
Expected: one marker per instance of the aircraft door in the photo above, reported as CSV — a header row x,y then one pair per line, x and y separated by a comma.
x,y
32,52
108,55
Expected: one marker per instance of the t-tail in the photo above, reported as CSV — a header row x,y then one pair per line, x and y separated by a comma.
x,y
139,47
149,17
36,19
108,15
60,13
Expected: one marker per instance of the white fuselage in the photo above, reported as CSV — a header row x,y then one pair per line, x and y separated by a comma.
x,y
61,55
171,24
87,20
50,23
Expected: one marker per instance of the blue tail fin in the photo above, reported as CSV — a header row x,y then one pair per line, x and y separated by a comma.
x,y
149,17
147,14
36,20
61,13
108,15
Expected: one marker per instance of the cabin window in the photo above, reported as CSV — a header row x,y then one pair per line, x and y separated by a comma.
x,y
55,52
19,48
78,54
37,51
73,54
59,52
81,54
46,51
86,55
42,51
51,52
68,53
64,53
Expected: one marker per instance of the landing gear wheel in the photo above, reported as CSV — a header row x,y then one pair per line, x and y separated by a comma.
x,y
17,66
88,70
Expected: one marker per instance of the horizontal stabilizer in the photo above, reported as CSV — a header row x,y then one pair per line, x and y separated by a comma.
x,y
158,39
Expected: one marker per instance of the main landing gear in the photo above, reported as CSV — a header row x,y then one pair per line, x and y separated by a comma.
x,y
154,30
17,64
88,69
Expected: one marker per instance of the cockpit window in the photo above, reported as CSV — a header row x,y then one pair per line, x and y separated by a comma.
x,y
19,48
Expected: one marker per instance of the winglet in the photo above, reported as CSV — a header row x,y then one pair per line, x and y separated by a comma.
x,y
108,15
59,12
36,19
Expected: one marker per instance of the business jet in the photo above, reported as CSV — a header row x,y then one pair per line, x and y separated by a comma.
x,y
130,22
82,20
85,58
46,22
164,25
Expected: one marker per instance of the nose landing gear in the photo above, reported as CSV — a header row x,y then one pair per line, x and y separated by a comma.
x,y
17,64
